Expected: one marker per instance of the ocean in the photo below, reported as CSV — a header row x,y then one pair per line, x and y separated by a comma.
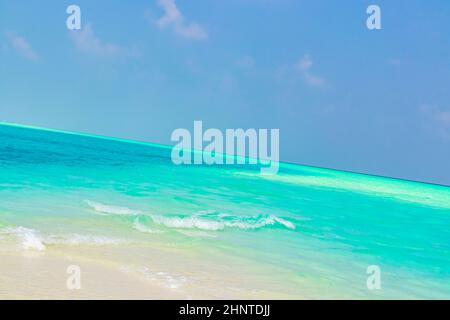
x,y
222,231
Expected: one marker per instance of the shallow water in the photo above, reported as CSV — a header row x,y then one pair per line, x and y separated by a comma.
x,y
303,233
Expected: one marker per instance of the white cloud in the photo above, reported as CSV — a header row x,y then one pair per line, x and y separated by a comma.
x,y
174,19
21,46
313,80
303,66
87,42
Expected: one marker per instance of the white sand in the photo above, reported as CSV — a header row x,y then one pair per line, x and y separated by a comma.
x,y
128,272
38,275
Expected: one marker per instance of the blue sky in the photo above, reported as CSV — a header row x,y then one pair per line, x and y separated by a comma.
x,y
342,96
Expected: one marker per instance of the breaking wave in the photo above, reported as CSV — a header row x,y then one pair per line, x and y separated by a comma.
x,y
203,220
107,209
29,238
198,222
137,225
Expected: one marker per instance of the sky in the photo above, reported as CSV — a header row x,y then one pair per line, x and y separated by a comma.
x,y
343,96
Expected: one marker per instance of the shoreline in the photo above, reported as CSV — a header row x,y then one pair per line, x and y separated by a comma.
x,y
35,275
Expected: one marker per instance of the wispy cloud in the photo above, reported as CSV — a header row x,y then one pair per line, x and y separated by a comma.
x,y
437,119
173,18
304,63
313,80
21,46
86,41
304,66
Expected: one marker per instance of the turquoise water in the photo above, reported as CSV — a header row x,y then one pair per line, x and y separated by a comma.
x,y
303,233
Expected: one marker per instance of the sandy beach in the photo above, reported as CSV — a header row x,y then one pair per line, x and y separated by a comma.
x,y
107,273
43,275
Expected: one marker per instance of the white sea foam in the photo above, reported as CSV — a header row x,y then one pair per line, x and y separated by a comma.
x,y
203,220
80,239
30,239
188,223
143,228
197,222
165,279
34,240
107,209
171,281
